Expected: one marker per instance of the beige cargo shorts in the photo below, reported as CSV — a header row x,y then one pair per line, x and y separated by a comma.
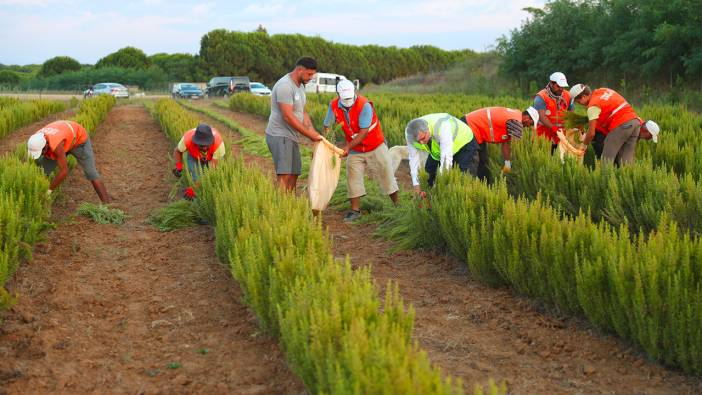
x,y
377,162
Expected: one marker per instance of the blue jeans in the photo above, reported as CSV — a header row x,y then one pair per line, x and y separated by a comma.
x,y
463,158
194,166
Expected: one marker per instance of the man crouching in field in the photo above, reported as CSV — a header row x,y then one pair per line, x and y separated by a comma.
x,y
50,145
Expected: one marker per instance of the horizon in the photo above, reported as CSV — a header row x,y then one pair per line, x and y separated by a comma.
x,y
38,30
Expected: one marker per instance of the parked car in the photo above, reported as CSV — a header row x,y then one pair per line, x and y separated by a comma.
x,y
226,86
259,89
107,88
187,91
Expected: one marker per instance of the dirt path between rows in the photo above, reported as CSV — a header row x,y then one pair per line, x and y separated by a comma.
x,y
475,332
124,308
11,141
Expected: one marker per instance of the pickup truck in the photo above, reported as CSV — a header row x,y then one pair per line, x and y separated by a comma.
x,y
227,86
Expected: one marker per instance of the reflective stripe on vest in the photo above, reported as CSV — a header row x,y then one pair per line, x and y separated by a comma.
x,y
616,110
461,134
492,130
490,124
73,132
555,107
348,119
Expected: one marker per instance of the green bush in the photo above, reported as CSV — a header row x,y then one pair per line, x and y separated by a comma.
x,y
338,335
24,202
15,113
646,289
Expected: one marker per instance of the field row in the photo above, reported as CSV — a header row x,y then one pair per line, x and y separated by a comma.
x,y
24,203
618,245
338,335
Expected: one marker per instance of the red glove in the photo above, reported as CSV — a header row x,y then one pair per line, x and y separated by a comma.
x,y
554,129
189,193
178,171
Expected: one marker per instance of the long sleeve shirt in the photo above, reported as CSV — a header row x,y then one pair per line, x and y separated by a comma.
x,y
445,137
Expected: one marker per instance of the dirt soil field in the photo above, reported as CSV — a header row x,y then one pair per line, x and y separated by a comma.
x,y
124,308
475,332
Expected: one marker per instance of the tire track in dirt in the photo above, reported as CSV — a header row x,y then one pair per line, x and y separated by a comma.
x,y
12,140
124,308
474,332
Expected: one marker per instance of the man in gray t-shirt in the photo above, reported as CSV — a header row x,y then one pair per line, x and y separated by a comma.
x,y
289,121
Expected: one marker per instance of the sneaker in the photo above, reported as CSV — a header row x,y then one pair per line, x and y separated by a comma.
x,y
352,215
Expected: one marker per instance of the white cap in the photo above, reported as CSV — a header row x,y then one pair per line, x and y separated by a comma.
x,y
576,90
559,78
345,89
654,129
35,145
534,115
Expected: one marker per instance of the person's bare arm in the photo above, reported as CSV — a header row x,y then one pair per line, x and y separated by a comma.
x,y
289,117
177,155
543,119
360,136
591,129
506,150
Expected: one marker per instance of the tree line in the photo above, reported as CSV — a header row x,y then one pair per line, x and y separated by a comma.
x,y
257,54
651,43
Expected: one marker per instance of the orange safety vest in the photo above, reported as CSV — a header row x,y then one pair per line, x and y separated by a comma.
x,y
72,134
555,110
375,134
194,149
615,109
490,124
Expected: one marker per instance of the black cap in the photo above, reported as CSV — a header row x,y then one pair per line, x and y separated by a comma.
x,y
203,135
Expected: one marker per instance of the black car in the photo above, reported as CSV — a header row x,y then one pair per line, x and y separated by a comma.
x,y
187,91
226,86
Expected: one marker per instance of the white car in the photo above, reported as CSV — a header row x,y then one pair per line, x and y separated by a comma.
x,y
108,88
259,89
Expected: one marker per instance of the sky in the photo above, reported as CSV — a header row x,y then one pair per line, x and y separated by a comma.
x,y
33,31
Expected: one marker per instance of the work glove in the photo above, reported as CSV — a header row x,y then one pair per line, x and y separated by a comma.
x,y
178,171
189,193
507,168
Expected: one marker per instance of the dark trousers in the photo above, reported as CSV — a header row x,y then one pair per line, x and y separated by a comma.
x,y
463,158
598,144
483,159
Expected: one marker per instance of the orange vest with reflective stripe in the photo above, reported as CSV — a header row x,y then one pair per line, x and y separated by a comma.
x,y
615,109
490,124
72,134
555,112
375,133
194,149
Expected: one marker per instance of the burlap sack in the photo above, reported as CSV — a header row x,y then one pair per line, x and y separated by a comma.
x,y
570,145
324,173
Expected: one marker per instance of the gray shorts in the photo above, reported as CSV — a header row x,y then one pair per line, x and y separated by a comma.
x,y
83,153
286,154
620,143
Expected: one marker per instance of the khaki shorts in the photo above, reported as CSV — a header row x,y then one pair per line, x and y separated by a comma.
x,y
378,164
